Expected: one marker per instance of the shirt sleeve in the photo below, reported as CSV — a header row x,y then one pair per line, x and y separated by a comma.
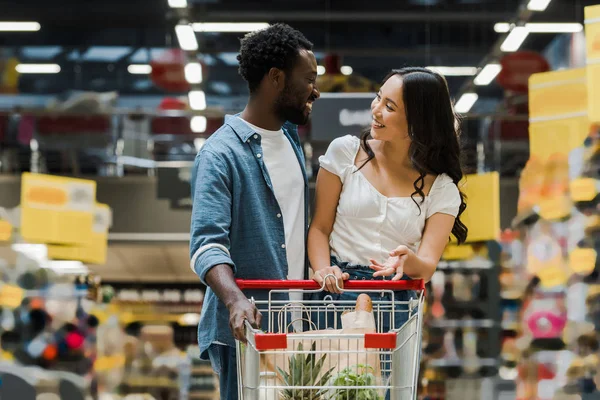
x,y
444,198
339,157
211,214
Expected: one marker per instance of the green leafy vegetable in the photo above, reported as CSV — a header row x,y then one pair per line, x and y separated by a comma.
x,y
357,376
304,370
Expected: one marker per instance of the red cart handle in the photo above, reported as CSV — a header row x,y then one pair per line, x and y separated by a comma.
x,y
416,284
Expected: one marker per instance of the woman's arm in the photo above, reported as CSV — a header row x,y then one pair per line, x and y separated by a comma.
x,y
423,264
327,194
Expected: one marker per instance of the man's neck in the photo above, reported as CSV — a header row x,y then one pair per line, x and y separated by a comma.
x,y
257,114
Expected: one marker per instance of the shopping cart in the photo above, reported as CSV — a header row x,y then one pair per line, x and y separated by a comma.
x,y
321,360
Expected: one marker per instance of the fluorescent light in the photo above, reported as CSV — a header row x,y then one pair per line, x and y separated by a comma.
x,y
178,3
67,267
502,27
346,70
229,26
515,38
186,37
539,27
193,73
487,74
566,27
139,69
320,70
197,100
538,5
465,103
38,68
9,26
189,319
198,125
454,71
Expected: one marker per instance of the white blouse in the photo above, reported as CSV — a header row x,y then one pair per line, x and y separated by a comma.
x,y
369,224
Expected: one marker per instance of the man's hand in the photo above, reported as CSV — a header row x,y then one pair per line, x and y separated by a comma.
x,y
394,264
240,311
330,284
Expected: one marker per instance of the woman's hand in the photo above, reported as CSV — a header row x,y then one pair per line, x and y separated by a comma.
x,y
330,284
394,264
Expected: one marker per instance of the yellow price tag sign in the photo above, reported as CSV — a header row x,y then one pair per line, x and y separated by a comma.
x,y
454,252
109,362
11,296
555,208
5,231
583,189
553,276
582,261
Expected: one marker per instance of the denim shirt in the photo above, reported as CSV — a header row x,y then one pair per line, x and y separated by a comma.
x,y
235,219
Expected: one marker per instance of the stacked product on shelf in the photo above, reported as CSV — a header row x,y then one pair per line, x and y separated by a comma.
x,y
461,337
558,224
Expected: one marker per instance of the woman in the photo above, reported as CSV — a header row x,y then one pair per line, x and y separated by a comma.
x,y
386,204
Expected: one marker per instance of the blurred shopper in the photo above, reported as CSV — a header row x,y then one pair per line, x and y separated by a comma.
x,y
387,203
250,193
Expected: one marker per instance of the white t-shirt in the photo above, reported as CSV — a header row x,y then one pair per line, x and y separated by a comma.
x,y
369,224
288,185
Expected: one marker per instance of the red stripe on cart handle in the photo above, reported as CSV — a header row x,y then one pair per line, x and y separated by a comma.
x,y
270,341
415,284
380,340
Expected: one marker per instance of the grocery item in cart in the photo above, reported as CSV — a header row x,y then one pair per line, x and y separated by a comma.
x,y
361,320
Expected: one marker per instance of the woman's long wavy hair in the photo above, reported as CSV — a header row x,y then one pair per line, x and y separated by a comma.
x,y
434,132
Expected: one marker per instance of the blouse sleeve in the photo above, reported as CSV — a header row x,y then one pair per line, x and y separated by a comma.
x,y
339,157
444,198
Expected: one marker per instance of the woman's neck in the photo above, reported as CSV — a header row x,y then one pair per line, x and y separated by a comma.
x,y
395,153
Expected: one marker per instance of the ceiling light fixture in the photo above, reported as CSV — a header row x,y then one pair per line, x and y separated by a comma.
x,y
543,27
229,26
538,5
487,74
13,26
178,3
186,37
515,39
193,73
466,101
454,71
346,70
38,68
197,100
198,124
139,69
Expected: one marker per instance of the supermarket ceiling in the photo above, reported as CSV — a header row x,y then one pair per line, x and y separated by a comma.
x,y
95,42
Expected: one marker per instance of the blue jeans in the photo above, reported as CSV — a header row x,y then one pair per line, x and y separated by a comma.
x,y
223,361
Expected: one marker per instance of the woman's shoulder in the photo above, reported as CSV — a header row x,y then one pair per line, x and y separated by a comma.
x,y
344,147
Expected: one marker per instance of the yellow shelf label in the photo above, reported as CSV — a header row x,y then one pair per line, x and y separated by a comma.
x,y
582,261
5,231
11,296
553,276
583,189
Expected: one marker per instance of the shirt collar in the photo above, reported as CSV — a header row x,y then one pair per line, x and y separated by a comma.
x,y
244,131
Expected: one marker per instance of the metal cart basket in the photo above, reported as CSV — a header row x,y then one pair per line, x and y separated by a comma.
x,y
309,351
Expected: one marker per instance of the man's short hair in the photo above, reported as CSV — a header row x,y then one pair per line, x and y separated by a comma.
x,y
274,47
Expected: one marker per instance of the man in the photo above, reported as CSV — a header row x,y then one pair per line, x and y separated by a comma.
x,y
250,193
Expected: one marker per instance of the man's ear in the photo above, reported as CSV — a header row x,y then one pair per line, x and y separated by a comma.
x,y
276,79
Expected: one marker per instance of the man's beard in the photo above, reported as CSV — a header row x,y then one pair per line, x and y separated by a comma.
x,y
286,108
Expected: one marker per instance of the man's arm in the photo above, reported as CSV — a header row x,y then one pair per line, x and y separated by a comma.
x,y
209,243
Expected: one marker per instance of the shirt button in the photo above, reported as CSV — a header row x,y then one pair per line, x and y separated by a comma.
x,y
255,136
259,155
283,246
278,215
